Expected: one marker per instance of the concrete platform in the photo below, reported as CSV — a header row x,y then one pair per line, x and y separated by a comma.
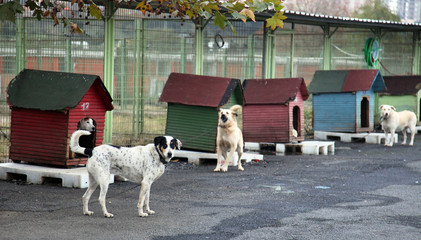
x,y
73,177
306,147
372,138
200,157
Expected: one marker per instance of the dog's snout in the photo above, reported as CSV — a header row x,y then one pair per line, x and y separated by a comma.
x,y
224,118
169,155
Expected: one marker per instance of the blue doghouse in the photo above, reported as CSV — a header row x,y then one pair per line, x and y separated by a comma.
x,y
343,100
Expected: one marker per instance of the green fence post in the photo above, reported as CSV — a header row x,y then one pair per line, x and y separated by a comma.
x,y
123,75
224,62
292,53
68,57
327,54
250,68
199,49
416,53
269,54
142,86
137,72
20,46
183,63
109,65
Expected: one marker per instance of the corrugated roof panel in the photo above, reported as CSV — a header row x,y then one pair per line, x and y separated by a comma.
x,y
359,80
273,91
198,90
402,84
328,81
47,90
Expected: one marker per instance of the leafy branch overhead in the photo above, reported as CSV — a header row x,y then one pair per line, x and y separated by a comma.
x,y
199,11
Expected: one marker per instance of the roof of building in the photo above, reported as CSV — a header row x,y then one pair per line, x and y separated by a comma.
x,y
334,81
273,91
399,85
198,90
47,90
337,21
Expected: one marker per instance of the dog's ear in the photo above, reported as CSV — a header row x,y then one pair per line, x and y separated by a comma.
x,y
235,108
78,125
394,109
178,143
381,107
158,140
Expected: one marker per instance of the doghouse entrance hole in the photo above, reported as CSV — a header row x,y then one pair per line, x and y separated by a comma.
x,y
296,120
365,112
87,141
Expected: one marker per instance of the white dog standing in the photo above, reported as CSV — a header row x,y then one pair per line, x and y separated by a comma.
x,y
393,121
140,164
229,137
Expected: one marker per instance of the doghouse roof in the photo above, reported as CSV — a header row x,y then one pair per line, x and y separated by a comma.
x,y
399,85
46,90
273,91
346,81
198,90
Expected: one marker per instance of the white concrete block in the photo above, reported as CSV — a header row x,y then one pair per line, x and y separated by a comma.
x,y
71,177
252,146
196,157
280,148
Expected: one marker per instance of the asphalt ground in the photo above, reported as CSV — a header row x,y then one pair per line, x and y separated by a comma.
x,y
363,191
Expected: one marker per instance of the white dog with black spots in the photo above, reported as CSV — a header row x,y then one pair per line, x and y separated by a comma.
x,y
140,164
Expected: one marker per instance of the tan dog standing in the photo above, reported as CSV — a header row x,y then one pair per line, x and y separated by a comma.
x,y
229,138
393,121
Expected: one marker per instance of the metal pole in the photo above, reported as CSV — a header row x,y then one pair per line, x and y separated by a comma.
x,y
265,40
183,63
250,57
136,79
269,59
327,57
123,80
291,57
68,57
109,65
224,62
142,86
199,49
20,49
416,53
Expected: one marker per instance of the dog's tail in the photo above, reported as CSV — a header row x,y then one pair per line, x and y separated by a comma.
x,y
74,143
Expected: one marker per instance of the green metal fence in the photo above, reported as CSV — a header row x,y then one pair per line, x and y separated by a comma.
x,y
147,50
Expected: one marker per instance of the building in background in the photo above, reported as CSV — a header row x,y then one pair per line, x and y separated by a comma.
x,y
343,8
408,10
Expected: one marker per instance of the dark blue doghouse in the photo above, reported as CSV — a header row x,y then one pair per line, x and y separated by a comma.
x,y
343,100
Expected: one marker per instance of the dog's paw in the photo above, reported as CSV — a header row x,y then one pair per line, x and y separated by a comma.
x,y
89,213
142,214
240,169
217,169
151,212
108,215
224,169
